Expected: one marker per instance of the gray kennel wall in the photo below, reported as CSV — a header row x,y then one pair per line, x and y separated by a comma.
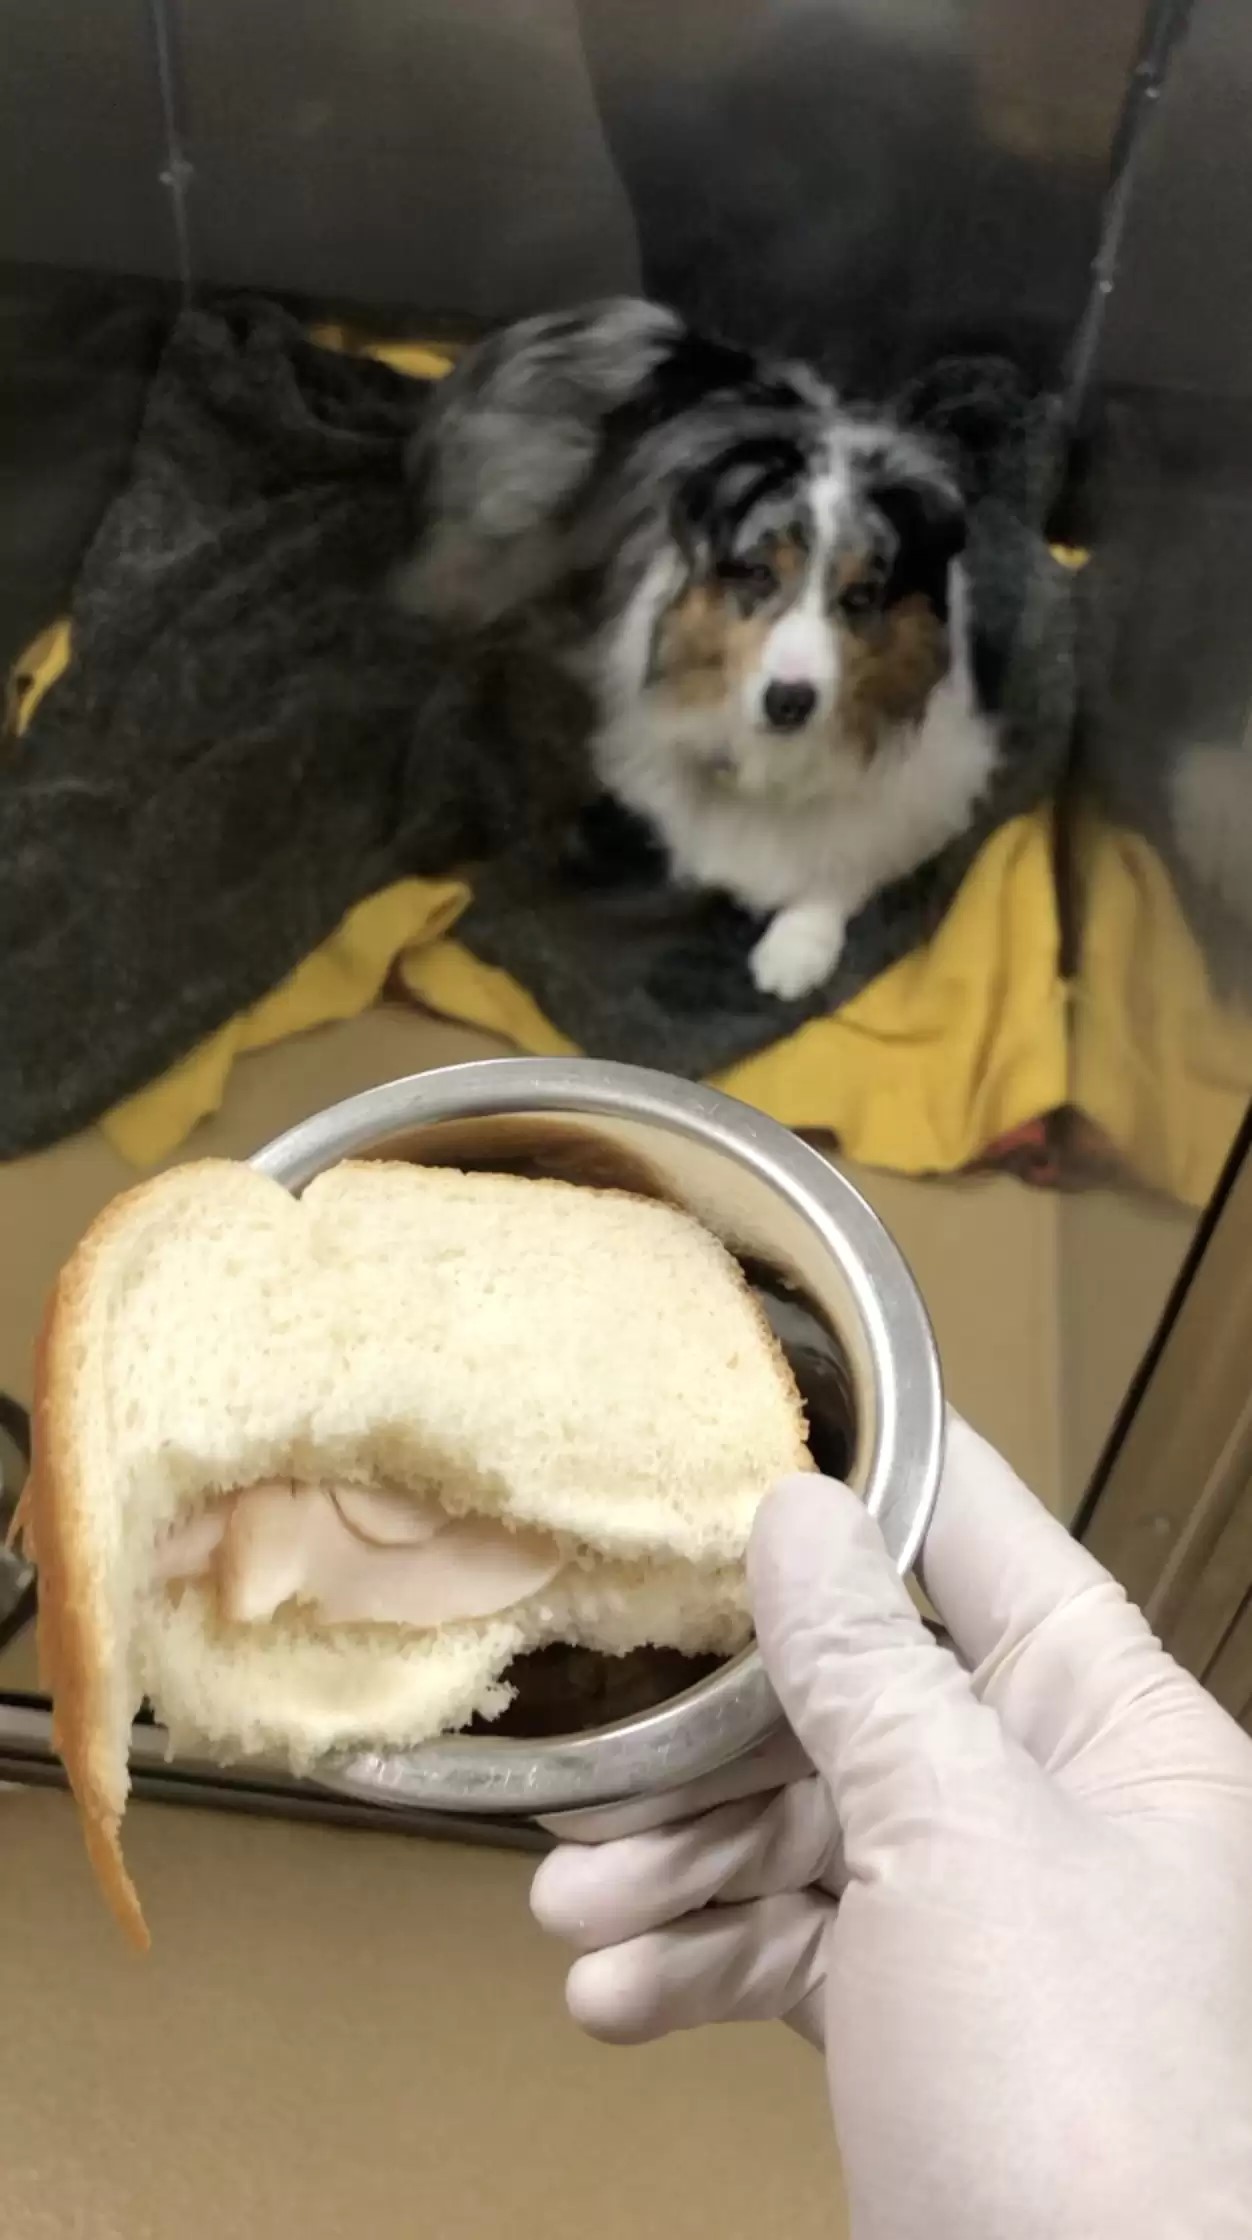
x,y
865,178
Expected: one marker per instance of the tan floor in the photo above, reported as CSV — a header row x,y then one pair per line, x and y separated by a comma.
x,y
1118,1256
340,2031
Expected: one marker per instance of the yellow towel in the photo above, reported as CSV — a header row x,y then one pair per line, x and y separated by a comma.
x,y
1157,1062
940,1054
948,1049
35,672
421,361
341,978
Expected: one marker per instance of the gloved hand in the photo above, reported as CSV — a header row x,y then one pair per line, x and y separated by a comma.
x,y
1014,1900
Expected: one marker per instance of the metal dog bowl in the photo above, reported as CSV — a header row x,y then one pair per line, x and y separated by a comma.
x,y
798,1227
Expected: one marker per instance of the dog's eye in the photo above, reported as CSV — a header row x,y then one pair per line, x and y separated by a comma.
x,y
860,599
752,579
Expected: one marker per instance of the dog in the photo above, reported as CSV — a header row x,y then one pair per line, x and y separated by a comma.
x,y
762,588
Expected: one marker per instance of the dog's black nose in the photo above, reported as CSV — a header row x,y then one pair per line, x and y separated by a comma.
x,y
787,706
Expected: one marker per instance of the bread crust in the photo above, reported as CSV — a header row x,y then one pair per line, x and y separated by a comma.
x,y
73,1663
72,1660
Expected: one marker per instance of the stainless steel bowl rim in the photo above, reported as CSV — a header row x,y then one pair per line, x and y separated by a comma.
x,y
735,1710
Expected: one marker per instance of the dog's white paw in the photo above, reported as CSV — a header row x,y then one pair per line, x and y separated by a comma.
x,y
798,950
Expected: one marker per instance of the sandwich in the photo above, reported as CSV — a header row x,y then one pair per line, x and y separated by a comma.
x,y
311,1473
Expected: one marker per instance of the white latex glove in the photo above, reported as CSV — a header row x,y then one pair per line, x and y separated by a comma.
x,y
1014,1901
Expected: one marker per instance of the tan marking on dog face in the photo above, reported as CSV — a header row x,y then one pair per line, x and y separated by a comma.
x,y
788,557
713,635
850,569
705,646
690,650
891,663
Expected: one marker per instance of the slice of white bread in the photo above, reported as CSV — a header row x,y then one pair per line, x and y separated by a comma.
x,y
582,1361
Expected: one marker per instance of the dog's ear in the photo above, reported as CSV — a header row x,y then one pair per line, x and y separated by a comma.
x,y
924,512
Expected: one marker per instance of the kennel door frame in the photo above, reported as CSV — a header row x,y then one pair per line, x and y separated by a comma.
x,y
1170,1509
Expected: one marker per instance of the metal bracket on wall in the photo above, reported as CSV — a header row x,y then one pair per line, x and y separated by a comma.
x,y
1165,25
177,175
